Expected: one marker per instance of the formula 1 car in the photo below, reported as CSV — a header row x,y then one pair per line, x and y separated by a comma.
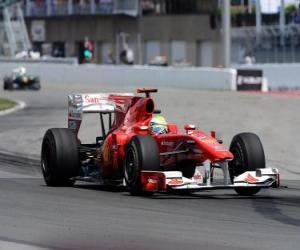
x,y
126,153
21,80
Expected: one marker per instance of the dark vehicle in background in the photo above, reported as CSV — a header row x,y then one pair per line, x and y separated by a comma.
x,y
19,79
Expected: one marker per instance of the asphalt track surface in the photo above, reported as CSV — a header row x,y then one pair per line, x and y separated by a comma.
x,y
33,216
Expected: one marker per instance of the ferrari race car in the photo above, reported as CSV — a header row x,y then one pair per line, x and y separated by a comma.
x,y
128,153
19,79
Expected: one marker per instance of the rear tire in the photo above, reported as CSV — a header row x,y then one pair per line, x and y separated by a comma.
x,y
141,153
59,157
248,155
8,85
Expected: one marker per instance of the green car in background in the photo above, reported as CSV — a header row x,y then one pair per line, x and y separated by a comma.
x,y
19,79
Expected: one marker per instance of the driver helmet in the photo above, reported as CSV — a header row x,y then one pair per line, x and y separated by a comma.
x,y
20,71
158,125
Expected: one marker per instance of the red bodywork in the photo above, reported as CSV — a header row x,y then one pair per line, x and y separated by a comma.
x,y
132,117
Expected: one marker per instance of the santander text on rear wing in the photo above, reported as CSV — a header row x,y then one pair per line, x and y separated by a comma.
x,y
78,104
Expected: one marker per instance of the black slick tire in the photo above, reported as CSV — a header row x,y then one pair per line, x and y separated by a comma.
x,y
59,157
248,155
36,85
141,153
187,168
8,85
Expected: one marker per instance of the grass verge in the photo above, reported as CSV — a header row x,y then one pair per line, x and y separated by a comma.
x,y
6,104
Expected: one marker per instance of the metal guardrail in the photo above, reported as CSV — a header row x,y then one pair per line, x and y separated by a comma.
x,y
127,7
68,60
41,9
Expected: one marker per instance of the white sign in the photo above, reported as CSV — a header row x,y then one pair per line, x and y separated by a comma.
x,y
38,32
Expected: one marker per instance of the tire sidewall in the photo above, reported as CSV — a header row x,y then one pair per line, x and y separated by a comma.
x,y
147,158
248,148
187,167
35,86
8,84
132,181
49,166
238,146
251,153
59,157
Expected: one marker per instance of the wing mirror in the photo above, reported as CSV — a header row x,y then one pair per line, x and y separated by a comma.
x,y
189,127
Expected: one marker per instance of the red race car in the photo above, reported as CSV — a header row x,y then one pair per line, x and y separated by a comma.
x,y
139,149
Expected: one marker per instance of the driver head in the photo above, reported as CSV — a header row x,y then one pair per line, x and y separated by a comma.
x,y
158,125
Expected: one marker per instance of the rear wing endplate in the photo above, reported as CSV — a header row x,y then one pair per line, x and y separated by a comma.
x,y
78,104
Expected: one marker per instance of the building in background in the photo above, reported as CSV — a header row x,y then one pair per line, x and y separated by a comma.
x,y
181,31
274,37
156,32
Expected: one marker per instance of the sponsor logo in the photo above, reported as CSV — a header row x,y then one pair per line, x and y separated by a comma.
x,y
209,141
92,99
197,151
175,182
167,143
201,137
249,80
220,148
153,180
250,179
198,176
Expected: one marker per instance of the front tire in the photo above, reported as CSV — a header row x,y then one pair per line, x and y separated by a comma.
x,y
248,155
187,168
59,157
35,86
141,154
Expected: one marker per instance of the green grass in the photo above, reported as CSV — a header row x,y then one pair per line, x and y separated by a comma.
x,y
6,104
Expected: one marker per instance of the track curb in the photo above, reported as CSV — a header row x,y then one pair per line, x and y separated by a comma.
x,y
20,105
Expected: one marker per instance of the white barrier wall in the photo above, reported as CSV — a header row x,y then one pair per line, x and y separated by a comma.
x,y
199,78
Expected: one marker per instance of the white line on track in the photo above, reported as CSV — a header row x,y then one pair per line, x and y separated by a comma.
x,y
20,105
8,175
5,245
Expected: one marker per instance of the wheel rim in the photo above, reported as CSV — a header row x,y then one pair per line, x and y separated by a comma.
x,y
45,159
237,162
131,165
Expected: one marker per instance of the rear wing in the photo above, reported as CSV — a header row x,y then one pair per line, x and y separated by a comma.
x,y
78,104
94,103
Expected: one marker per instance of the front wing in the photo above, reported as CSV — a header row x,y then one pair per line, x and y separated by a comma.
x,y
163,181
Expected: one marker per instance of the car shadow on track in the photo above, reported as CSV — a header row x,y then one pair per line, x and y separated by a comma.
x,y
113,189
173,196
206,196
285,210
270,205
